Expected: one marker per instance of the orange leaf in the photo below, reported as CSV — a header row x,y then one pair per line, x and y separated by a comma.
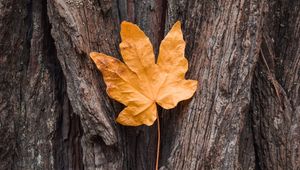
x,y
139,83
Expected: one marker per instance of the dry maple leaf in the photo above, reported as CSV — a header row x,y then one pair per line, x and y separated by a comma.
x,y
139,83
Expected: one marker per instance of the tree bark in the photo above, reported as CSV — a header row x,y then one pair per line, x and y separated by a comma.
x,y
55,113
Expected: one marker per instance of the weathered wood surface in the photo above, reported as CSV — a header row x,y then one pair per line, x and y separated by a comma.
x,y
55,114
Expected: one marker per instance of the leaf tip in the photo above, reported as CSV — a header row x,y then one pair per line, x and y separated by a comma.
x,y
126,24
131,32
93,55
177,24
123,23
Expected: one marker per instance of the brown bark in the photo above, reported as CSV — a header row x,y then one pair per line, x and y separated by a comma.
x,y
55,113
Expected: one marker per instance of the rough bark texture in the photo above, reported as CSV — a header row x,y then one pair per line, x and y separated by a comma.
x,y
55,113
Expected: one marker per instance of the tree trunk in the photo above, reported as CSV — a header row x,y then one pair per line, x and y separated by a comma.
x,y
55,113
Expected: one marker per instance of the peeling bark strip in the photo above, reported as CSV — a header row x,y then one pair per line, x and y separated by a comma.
x,y
55,114
276,90
223,43
32,91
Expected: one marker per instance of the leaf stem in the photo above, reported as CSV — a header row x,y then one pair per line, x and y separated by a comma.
x,y
158,143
